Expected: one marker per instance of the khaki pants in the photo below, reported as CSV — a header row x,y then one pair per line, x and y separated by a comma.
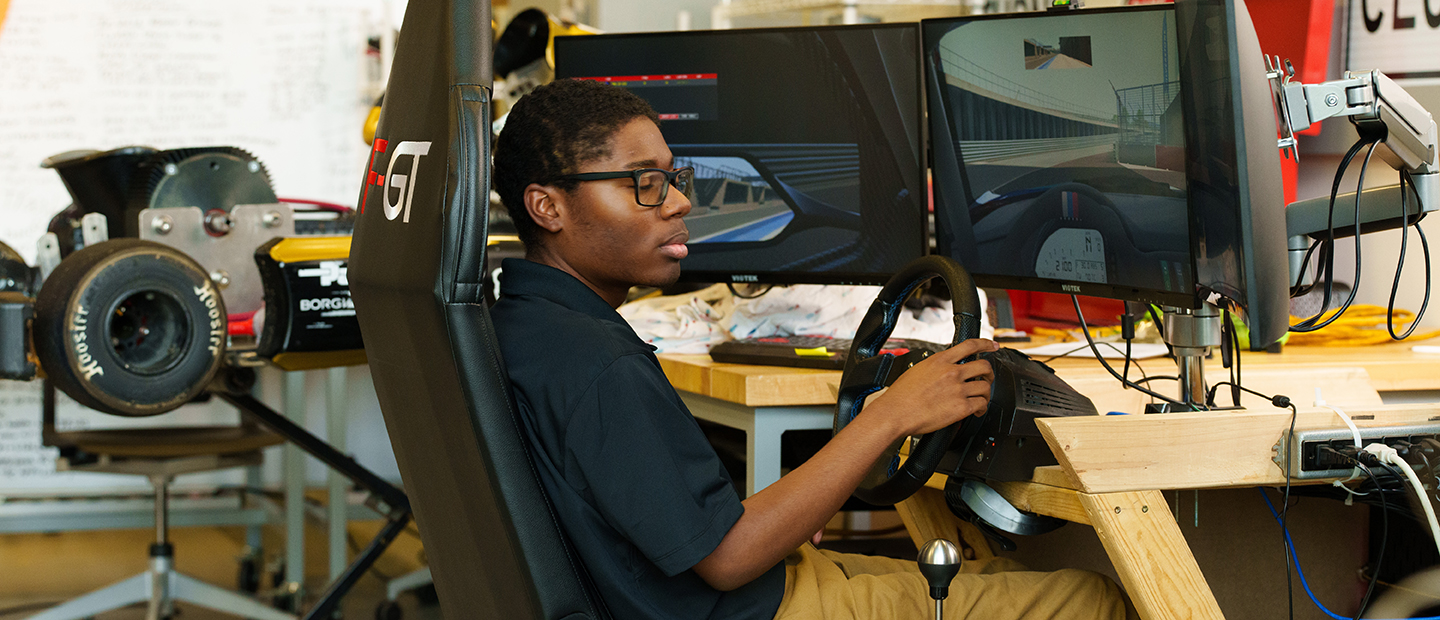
x,y
824,585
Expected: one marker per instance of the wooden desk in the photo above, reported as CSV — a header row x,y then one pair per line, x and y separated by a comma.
x,y
762,401
1391,367
1113,468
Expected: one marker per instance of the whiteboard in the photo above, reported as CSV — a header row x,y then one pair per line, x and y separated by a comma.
x,y
286,80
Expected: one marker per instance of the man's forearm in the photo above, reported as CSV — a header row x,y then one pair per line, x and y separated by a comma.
x,y
782,516
931,395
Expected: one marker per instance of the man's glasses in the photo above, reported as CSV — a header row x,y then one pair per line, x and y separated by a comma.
x,y
651,184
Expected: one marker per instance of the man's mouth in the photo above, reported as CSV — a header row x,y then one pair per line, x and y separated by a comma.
x,y
675,248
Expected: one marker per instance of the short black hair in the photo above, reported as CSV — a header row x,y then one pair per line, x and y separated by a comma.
x,y
551,132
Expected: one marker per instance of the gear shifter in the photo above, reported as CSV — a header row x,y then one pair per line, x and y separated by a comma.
x,y
939,563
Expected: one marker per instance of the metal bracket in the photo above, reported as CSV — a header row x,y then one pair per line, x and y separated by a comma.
x,y
226,251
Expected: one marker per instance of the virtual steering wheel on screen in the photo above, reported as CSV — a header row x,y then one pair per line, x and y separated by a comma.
x,y
1070,206
867,371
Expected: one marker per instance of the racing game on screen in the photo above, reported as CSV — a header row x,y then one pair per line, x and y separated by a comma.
x,y
1059,150
805,143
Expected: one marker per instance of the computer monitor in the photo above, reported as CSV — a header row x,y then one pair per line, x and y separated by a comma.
x,y
1125,153
1059,152
1237,196
807,144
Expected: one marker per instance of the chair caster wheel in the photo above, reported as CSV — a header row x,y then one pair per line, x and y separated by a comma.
x,y
388,610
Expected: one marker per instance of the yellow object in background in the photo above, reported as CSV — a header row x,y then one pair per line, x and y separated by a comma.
x,y
372,121
815,352
1064,335
1363,324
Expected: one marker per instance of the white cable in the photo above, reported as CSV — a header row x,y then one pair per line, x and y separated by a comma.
x,y
1351,493
1354,430
1389,455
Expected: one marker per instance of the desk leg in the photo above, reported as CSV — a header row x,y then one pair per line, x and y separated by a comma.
x,y
763,427
338,503
294,396
1153,559
762,440
927,517
762,452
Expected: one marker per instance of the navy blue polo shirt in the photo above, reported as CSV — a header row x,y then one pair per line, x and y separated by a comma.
x,y
635,485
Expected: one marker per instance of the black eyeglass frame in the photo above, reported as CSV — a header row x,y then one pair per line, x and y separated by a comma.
x,y
670,177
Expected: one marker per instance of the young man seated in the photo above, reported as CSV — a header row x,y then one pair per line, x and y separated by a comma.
x,y
589,181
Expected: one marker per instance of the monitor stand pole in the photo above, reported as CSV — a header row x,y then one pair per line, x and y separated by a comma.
x,y
1191,333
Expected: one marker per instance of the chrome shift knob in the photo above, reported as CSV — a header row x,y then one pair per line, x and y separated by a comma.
x,y
939,562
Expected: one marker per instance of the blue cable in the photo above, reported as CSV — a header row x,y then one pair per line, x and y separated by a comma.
x,y
1301,571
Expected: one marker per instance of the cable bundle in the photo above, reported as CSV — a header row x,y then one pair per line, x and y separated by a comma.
x,y
1363,324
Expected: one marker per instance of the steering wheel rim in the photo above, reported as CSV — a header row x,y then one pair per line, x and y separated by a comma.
x,y
867,371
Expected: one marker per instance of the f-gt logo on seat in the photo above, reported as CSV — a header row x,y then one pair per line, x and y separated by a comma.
x,y
401,186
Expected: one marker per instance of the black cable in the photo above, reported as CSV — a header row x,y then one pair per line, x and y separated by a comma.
x,y
1127,333
1285,507
1159,378
1056,357
1216,387
1405,224
1086,346
1238,375
1144,376
1328,243
1300,289
1083,328
1425,247
1125,375
1159,328
1231,340
1384,535
1282,401
1400,266
1309,325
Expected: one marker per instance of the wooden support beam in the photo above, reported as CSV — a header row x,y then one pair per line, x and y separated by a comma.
x,y
926,517
1043,499
1154,561
1197,450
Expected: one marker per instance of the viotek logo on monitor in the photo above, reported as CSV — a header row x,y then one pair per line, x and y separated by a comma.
x,y
403,184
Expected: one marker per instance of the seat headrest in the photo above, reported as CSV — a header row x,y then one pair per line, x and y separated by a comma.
x,y
422,210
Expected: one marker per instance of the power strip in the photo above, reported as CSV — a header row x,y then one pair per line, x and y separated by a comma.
x,y
1308,462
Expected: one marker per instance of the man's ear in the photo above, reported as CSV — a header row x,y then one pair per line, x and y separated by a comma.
x,y
544,202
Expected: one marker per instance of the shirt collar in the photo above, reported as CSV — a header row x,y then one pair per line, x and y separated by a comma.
x,y
520,277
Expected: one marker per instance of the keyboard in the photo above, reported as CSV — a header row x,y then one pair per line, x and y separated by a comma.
x,y
821,352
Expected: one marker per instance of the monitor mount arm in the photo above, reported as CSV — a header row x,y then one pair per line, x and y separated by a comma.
x,y
1380,110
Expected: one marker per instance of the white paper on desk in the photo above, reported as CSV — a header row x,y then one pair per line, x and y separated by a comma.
x,y
1108,350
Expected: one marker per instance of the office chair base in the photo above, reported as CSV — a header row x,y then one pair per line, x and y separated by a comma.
x,y
161,587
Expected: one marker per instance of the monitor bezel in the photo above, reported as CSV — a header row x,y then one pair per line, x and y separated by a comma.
x,y
922,244
1032,283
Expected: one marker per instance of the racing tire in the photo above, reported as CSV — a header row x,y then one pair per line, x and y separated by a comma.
x,y
129,327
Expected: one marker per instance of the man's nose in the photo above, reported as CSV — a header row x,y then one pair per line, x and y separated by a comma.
x,y
677,204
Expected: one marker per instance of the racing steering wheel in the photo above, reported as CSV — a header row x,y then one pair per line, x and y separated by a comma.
x,y
867,371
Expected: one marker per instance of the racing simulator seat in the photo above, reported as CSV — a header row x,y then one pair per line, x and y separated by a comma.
x,y
416,273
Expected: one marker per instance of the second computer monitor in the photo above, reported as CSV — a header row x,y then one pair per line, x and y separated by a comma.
x,y
1058,146
806,143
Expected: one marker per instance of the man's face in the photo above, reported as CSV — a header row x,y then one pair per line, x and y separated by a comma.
x,y
611,241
